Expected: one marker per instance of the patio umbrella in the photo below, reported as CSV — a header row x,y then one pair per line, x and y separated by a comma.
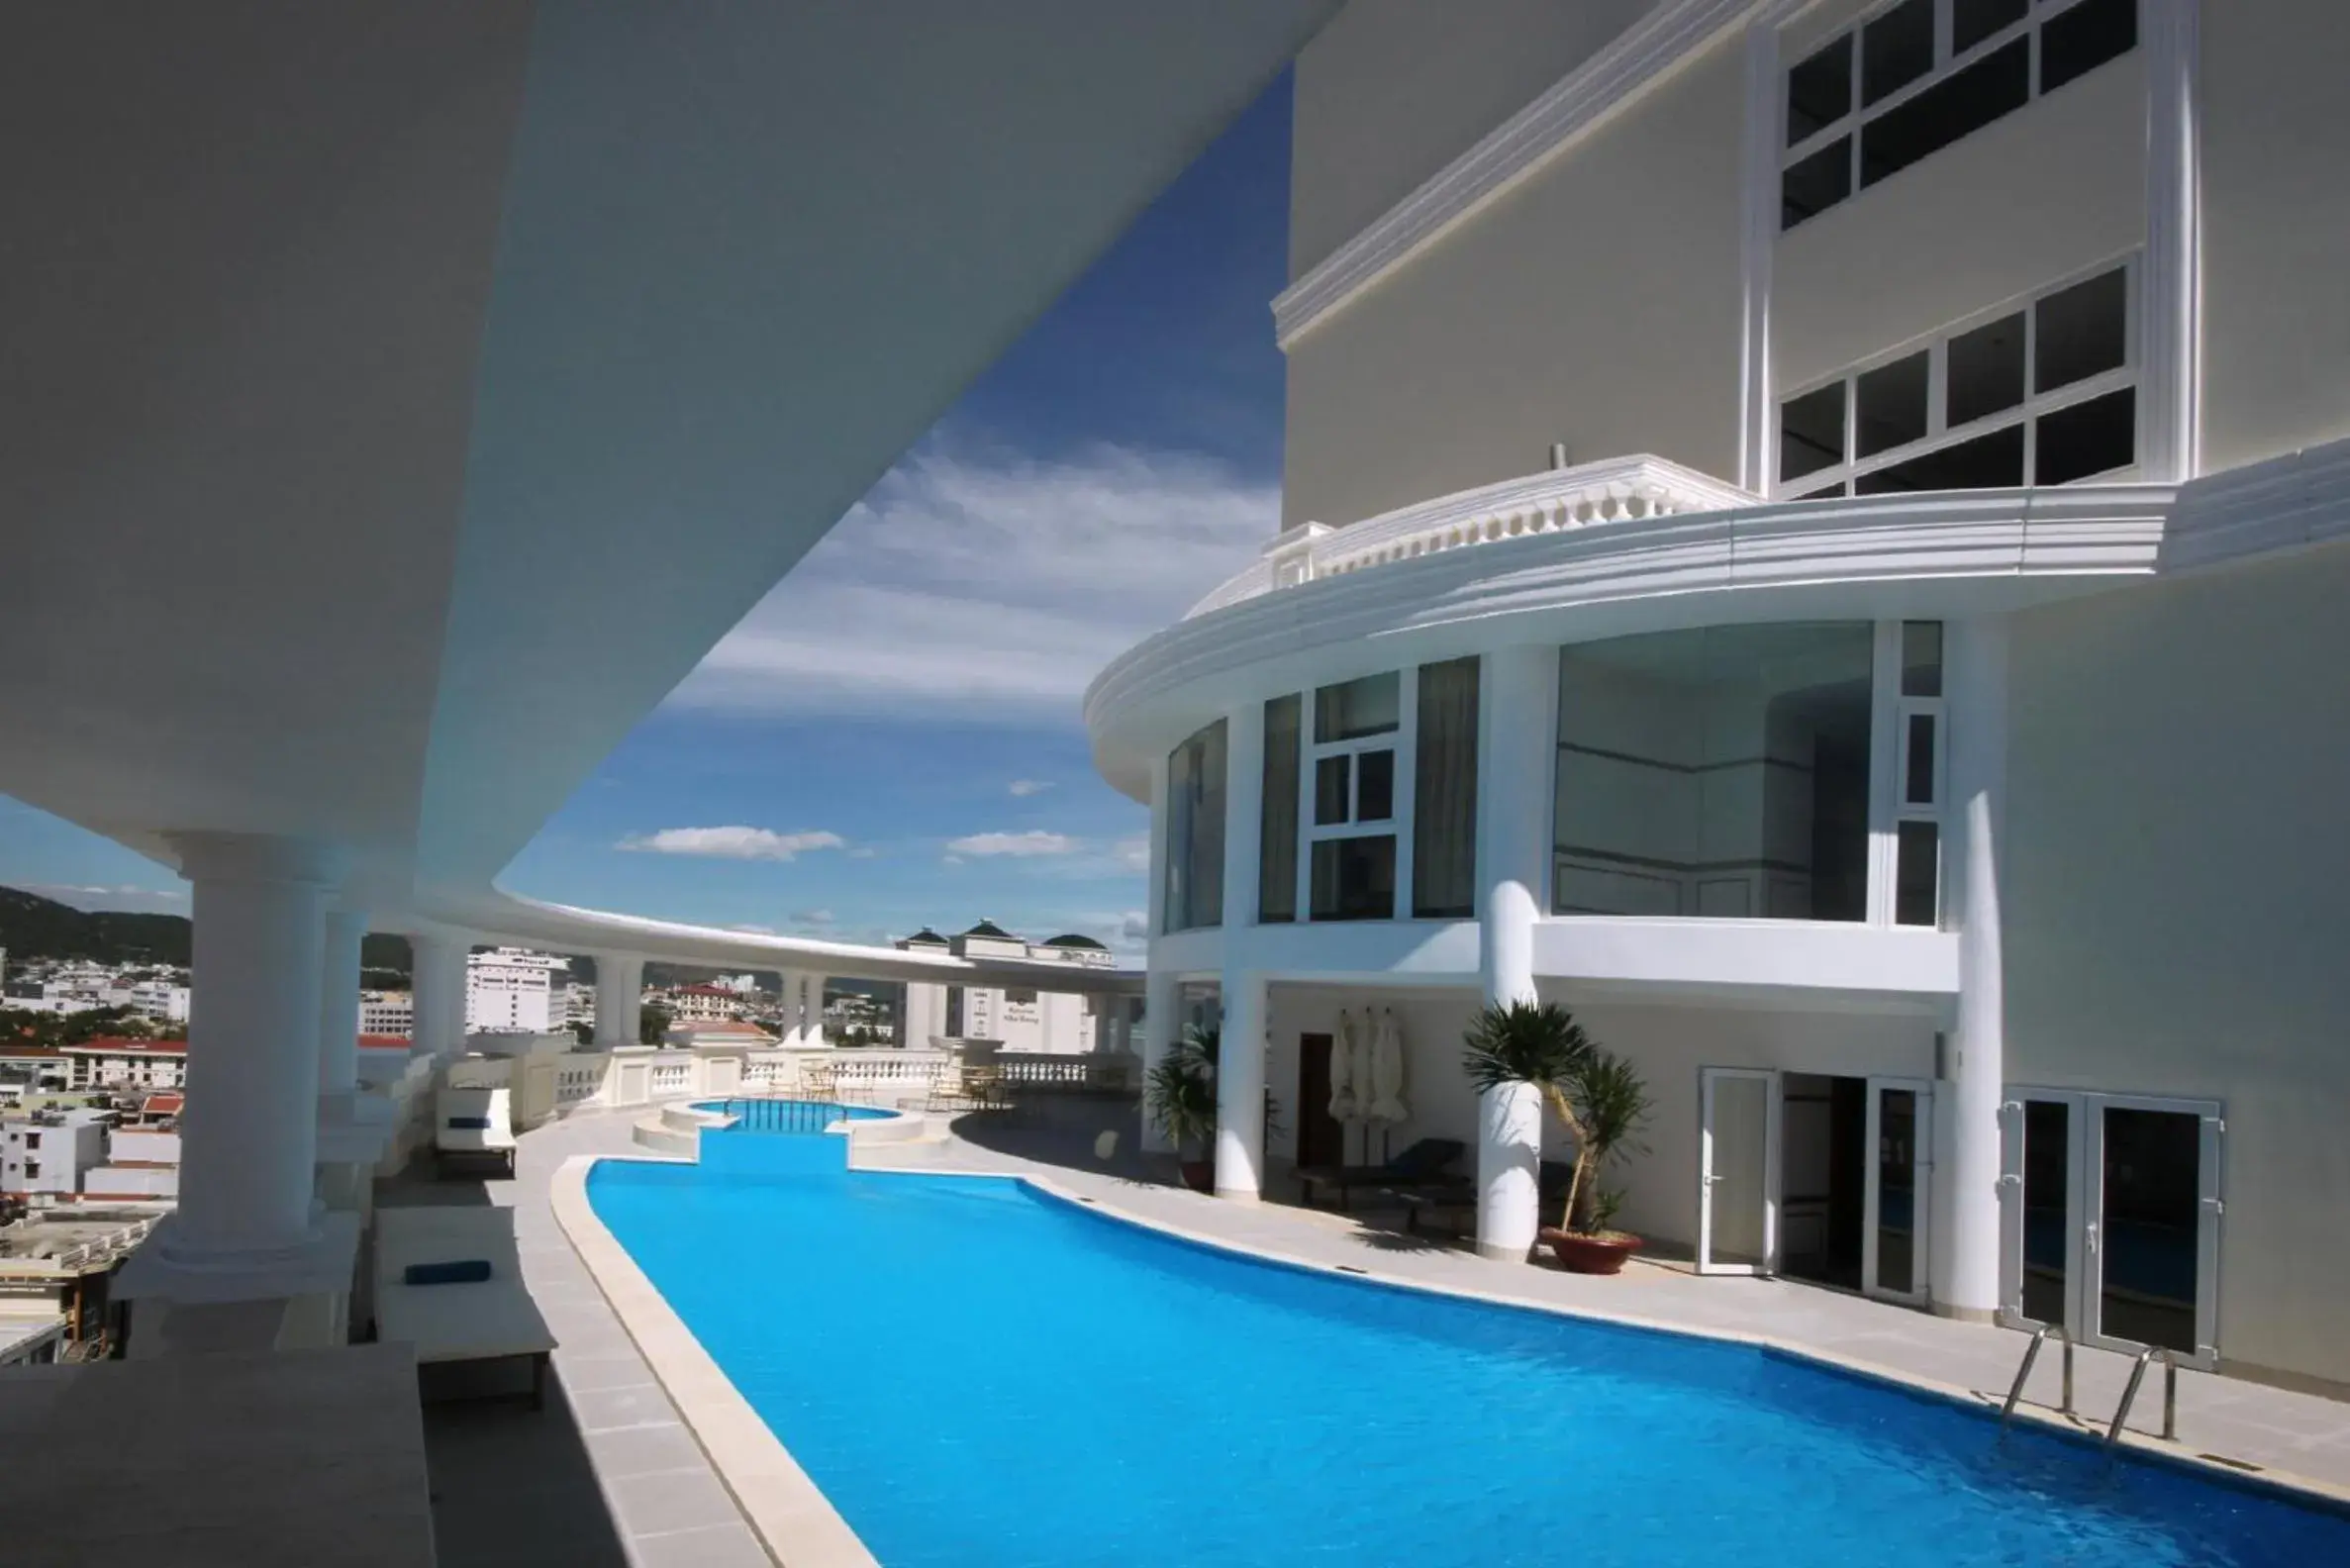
x,y
1342,1071
1387,1070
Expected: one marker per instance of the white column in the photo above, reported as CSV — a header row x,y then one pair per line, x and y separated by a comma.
x,y
338,1011
619,991
1240,1088
813,1017
1965,1251
1243,817
248,1137
437,989
1161,1000
1517,697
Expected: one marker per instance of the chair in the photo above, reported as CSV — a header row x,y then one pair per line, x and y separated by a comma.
x,y
470,1124
1453,1213
486,1320
947,1090
1426,1164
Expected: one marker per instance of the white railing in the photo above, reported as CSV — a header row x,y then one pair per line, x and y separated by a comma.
x,y
1618,490
580,1076
76,1258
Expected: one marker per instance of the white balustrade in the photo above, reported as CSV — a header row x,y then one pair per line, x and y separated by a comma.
x,y
1617,490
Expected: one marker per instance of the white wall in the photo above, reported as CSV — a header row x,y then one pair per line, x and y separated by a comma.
x,y
1390,91
2178,847
1598,303
2276,228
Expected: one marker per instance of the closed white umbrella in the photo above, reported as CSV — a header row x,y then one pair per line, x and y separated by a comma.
x,y
1342,1071
1387,1070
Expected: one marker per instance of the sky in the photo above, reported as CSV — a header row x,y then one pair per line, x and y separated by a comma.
x,y
891,740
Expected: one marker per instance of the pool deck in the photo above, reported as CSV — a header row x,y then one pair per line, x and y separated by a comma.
x,y
670,1506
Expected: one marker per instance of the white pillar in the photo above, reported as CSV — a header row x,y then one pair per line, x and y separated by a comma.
x,y
1162,999
437,990
339,1011
813,1016
1963,1257
1243,817
1517,697
248,1137
1240,1088
619,991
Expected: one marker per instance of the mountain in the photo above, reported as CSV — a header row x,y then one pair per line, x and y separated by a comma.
x,y
32,927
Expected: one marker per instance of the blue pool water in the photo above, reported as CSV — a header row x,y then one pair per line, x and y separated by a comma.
x,y
979,1375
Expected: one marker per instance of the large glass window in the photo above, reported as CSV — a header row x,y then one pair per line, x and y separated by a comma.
x,y
1277,848
1194,830
2043,393
1357,726
1444,793
1929,72
1718,772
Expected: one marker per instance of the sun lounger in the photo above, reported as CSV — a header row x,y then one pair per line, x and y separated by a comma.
x,y
1425,1163
474,1125
462,1319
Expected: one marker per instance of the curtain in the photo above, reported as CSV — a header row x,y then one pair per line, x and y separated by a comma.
x,y
1277,848
1444,801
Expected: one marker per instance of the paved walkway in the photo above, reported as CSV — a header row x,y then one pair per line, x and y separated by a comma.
x,y
668,1508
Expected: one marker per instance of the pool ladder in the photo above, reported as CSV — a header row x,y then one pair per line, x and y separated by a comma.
x,y
2129,1395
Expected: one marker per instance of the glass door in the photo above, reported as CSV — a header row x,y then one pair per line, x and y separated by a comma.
x,y
1737,1171
2110,1220
1893,1243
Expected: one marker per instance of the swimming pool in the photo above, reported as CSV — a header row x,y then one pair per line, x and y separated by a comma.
x,y
978,1374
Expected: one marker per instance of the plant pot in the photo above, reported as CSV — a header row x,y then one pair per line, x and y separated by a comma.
x,y
1199,1175
1590,1254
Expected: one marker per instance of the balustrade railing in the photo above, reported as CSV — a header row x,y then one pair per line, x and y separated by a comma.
x,y
1618,490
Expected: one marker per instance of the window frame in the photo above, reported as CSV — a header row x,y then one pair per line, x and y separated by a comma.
x,y
1948,62
1838,480
1403,742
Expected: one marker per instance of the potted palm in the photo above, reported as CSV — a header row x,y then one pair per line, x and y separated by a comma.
x,y
1601,1098
1179,1097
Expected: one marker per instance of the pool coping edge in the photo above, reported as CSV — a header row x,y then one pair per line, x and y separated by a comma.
x,y
776,1497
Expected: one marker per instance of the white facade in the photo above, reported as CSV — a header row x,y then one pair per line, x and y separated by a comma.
x,y
1857,653
127,1064
49,1151
701,1004
139,1162
388,1015
511,990
1018,1018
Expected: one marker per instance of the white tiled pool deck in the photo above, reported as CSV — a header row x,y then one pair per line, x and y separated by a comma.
x,y
672,1507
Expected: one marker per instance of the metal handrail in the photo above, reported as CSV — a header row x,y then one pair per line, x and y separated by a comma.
x,y
2031,1353
2170,1395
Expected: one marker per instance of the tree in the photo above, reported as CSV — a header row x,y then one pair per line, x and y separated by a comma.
x,y
1601,1098
652,1024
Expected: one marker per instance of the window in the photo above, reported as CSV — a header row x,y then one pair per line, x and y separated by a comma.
x,y
1927,73
1444,793
1357,726
1194,830
1721,772
2043,393
1276,845
1917,773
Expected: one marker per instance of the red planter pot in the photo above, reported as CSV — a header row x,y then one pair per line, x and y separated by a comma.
x,y
1583,1254
1199,1175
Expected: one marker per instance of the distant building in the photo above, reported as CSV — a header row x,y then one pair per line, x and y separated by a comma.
x,y
141,1162
1018,1019
387,1013
701,1004
514,990
48,1151
127,1064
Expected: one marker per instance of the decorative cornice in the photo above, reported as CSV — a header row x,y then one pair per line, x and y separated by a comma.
x,y
1641,55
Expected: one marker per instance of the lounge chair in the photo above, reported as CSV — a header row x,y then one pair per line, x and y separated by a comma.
x,y
1452,1212
474,1125
459,1317
1425,1164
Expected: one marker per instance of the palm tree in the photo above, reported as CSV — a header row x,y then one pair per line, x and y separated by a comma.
x,y
1180,1093
1602,1099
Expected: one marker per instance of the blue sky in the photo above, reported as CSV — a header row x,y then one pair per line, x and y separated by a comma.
x,y
891,738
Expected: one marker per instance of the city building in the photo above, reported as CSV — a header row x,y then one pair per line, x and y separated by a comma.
x,y
1816,536
48,1151
141,1161
701,1004
1016,1018
511,990
387,1015
126,1064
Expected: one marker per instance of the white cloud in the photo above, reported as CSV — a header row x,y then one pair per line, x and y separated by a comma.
x,y
731,844
1134,854
988,584
755,930
814,917
861,852
1022,789
1036,842
1134,924
952,860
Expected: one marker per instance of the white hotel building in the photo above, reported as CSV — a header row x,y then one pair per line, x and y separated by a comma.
x,y
1816,535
